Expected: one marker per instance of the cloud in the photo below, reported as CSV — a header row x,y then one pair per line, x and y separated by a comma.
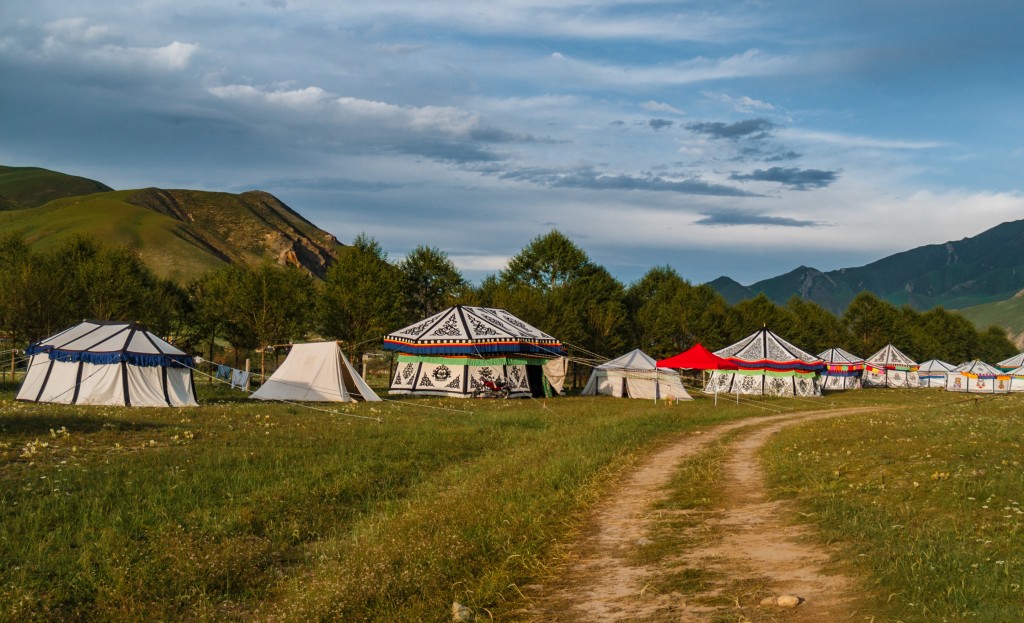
x,y
847,140
700,69
659,124
782,156
800,179
589,178
730,218
749,128
76,39
654,106
741,104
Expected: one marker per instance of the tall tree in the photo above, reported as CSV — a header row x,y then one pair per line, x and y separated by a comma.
x,y
432,282
361,298
872,324
252,307
546,263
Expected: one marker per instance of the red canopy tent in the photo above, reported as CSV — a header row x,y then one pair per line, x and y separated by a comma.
x,y
697,358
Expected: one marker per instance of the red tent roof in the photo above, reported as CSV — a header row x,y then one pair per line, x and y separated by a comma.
x,y
697,358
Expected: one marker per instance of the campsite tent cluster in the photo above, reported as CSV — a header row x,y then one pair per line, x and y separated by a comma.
x,y
462,350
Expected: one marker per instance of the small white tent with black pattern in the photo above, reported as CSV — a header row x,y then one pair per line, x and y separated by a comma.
x,y
977,377
889,367
768,366
635,375
842,370
454,351
108,363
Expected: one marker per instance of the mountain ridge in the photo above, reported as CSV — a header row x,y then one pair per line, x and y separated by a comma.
x,y
957,274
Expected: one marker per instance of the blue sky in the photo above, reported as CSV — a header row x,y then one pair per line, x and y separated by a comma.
x,y
739,138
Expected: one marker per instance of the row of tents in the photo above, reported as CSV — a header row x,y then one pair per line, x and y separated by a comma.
x,y
460,350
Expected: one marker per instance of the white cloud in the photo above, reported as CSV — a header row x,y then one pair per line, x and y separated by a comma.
x,y
741,104
747,64
661,107
848,140
352,110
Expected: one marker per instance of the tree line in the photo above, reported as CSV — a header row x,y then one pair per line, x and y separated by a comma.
x,y
551,283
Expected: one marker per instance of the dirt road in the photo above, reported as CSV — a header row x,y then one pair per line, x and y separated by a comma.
x,y
734,555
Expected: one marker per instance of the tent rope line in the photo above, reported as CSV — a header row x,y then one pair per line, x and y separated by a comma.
x,y
295,404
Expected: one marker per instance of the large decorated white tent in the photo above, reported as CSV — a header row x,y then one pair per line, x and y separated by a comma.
x,y
108,363
454,351
316,372
933,373
768,365
842,370
1012,363
889,367
977,377
635,375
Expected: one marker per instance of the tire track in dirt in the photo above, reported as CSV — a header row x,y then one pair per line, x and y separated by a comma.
x,y
601,582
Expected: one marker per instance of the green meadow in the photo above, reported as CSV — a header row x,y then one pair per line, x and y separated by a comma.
x,y
924,501
242,510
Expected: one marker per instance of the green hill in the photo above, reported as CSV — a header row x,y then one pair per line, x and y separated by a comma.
x,y
30,187
1008,314
180,234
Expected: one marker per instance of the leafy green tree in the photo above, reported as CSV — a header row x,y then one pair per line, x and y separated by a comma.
x,y
255,306
660,303
760,312
994,345
361,297
546,263
873,323
432,282
815,329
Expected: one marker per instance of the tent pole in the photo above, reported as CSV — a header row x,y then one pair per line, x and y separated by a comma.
x,y
263,361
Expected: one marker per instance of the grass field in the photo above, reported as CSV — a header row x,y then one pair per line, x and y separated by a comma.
x,y
925,500
240,510
243,510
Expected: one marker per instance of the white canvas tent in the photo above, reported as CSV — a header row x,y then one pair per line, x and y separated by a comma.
x,y
1017,361
316,372
977,377
635,375
1016,379
842,370
889,367
108,363
933,373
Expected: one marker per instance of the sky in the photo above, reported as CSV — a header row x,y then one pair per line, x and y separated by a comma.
x,y
719,138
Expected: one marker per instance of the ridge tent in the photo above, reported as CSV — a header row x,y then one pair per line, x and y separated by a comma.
x,y
890,368
1012,363
842,370
933,373
634,375
454,351
99,362
767,365
977,377
316,372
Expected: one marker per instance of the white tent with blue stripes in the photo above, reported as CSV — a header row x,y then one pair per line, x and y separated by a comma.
x,y
99,362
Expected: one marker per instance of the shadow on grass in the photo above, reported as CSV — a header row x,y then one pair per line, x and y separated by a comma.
x,y
42,423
